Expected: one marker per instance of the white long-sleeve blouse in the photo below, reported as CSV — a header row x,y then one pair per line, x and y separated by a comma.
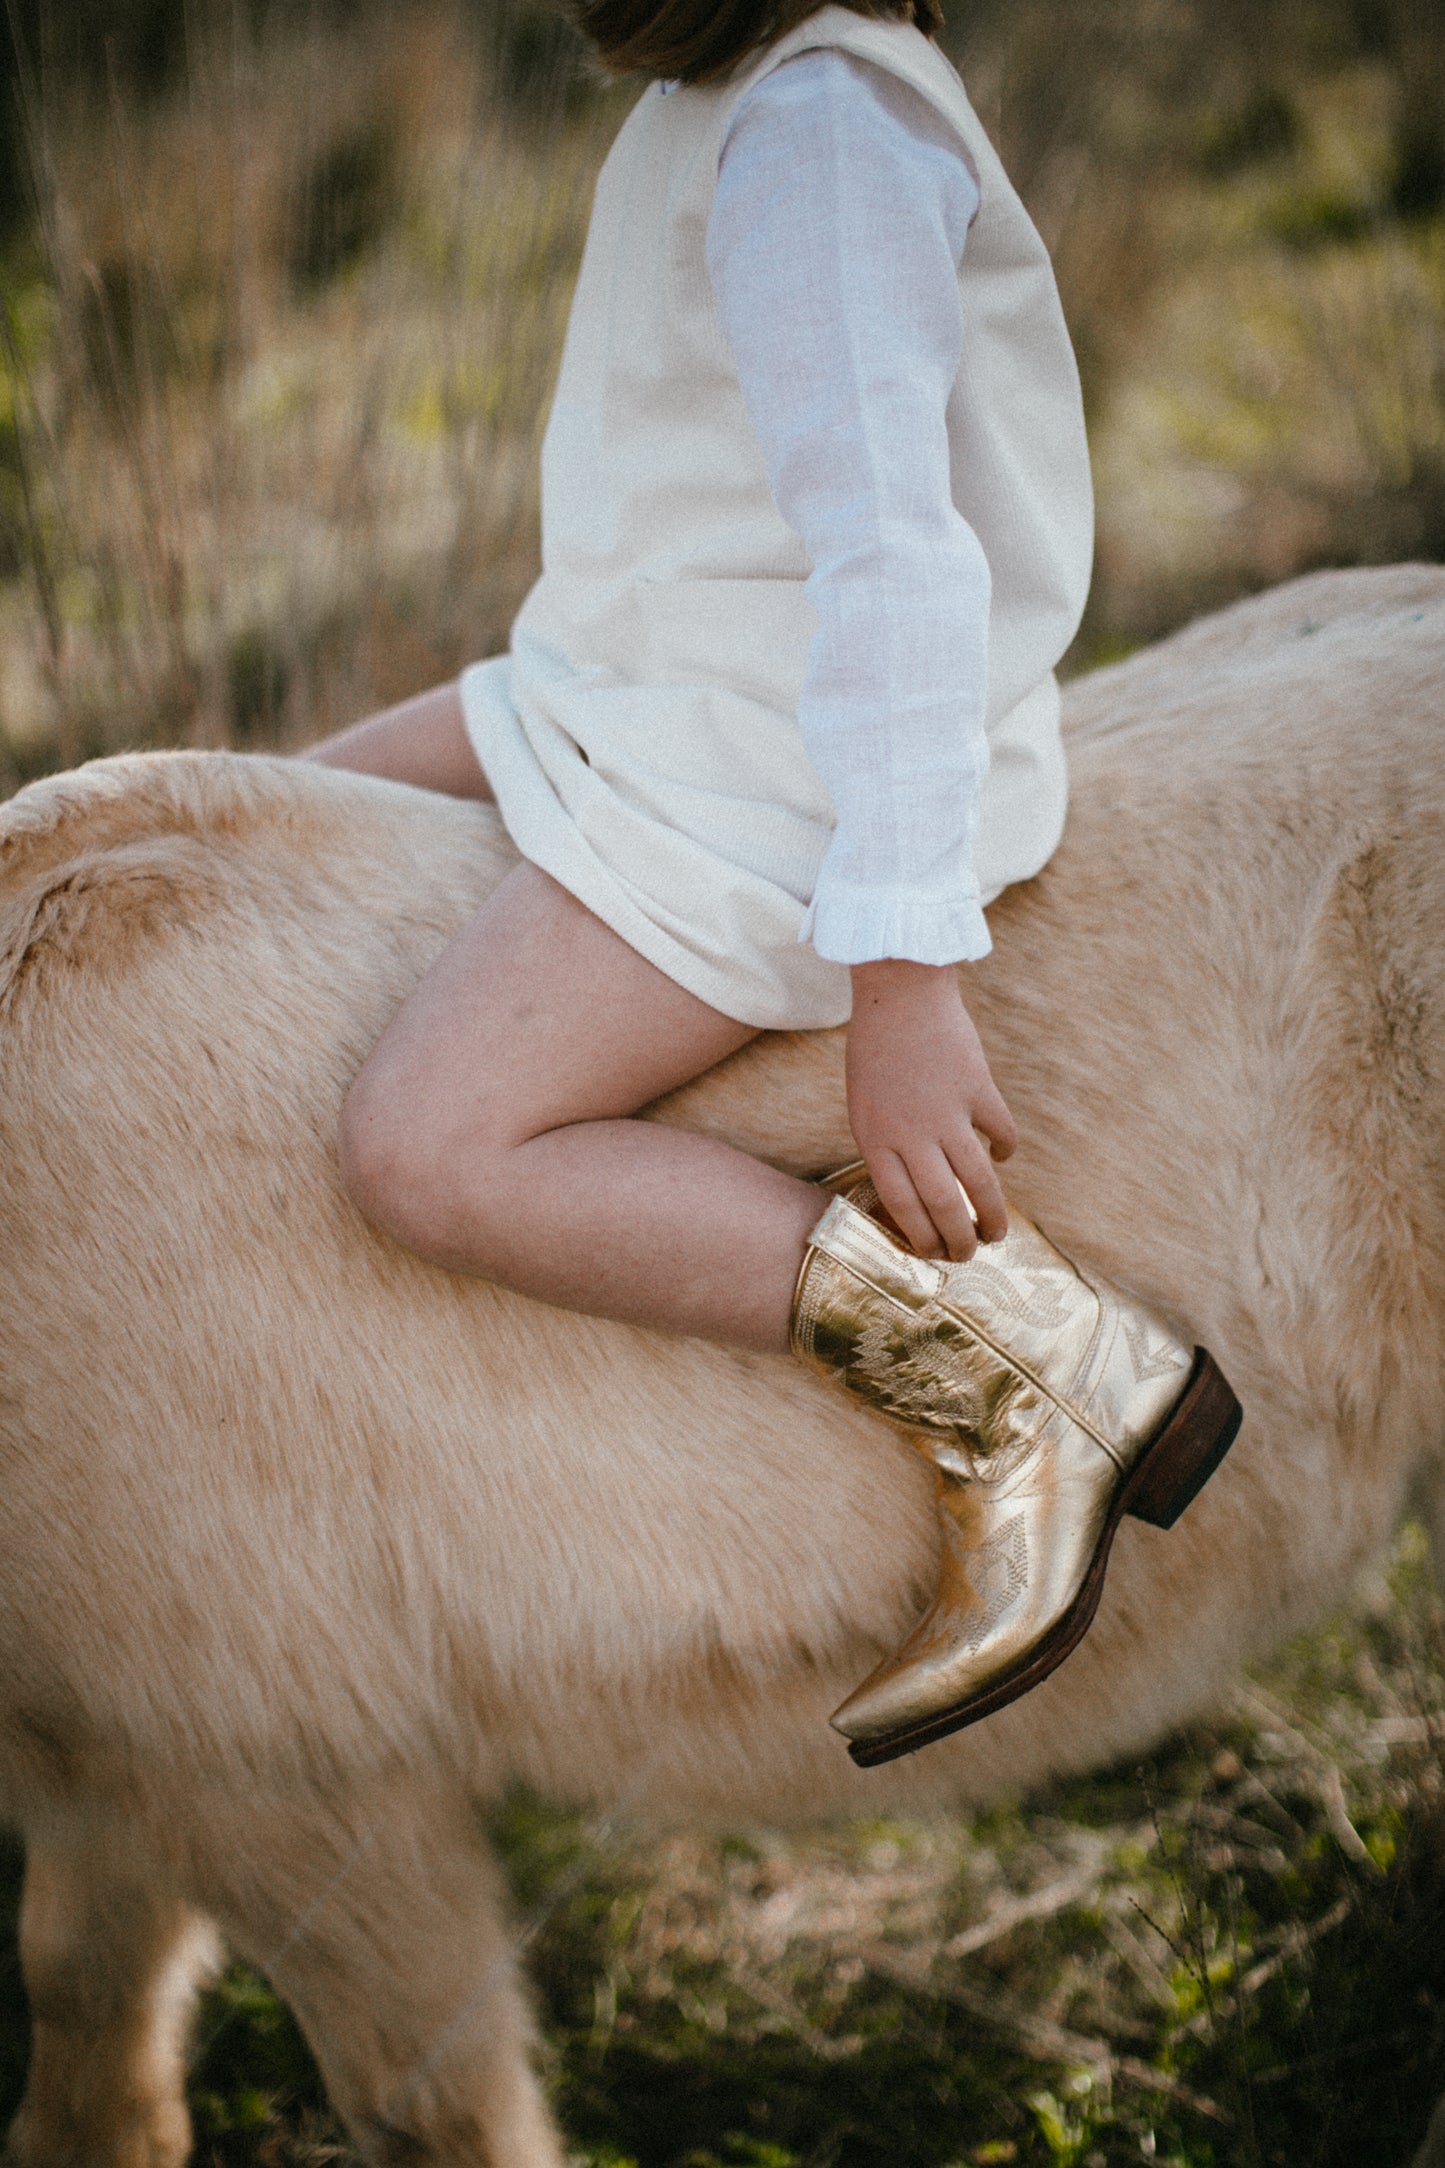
x,y
838,226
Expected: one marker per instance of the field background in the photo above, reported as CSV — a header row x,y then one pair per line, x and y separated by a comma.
x,y
281,294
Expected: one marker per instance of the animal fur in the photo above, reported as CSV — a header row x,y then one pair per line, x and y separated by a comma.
x,y
306,1547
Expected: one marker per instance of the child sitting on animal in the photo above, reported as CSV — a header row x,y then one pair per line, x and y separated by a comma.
x,y
778,721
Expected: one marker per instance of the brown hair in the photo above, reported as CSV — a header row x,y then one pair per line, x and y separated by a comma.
x,y
692,41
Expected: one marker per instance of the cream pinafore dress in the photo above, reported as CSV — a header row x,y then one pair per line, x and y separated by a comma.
x,y
641,735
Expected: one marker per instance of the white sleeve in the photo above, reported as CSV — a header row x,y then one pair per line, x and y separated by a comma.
x,y
834,243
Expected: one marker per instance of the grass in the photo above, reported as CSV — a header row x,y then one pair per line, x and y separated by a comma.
x,y
1233,1954
273,364
277,343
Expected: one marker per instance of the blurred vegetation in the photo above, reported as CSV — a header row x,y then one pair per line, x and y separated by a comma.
x,y
284,284
281,293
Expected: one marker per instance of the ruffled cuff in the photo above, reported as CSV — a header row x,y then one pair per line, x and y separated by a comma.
x,y
848,925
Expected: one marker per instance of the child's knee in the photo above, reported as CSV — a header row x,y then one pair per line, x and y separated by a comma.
x,y
375,1153
398,1164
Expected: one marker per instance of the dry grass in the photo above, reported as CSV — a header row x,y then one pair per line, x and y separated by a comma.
x,y
276,384
275,354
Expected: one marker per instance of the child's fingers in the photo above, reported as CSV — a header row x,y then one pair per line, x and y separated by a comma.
x,y
971,1164
899,1198
992,1117
946,1202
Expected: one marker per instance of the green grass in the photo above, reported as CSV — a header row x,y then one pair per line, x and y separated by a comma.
x,y
1234,1953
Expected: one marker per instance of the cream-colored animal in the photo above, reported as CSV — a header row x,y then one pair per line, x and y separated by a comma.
x,y
306,1548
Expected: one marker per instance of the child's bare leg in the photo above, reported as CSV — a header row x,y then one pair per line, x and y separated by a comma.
x,y
489,1131
422,741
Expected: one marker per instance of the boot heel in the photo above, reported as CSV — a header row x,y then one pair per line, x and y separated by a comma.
x,y
1188,1449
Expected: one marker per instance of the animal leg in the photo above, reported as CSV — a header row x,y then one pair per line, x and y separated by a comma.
x,y
112,1964
381,1920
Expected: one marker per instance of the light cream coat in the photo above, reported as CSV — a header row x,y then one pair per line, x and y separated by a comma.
x,y
306,1547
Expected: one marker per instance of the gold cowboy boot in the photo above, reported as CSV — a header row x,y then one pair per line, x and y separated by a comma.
x,y
1050,1405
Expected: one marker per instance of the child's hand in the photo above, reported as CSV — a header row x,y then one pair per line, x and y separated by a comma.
x,y
919,1093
